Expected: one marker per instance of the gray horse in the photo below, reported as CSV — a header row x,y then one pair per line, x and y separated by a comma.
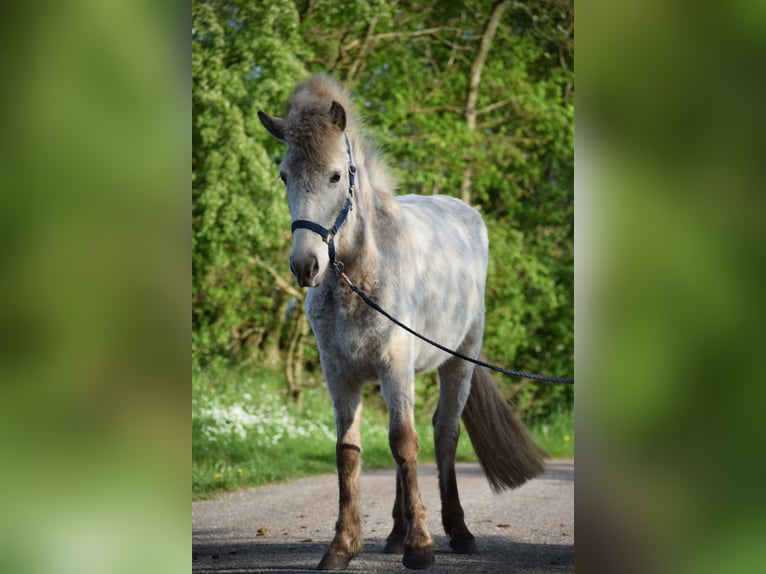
x,y
424,260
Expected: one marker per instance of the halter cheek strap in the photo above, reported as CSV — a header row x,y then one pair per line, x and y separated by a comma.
x,y
328,235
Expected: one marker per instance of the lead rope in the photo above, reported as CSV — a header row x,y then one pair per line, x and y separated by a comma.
x,y
379,309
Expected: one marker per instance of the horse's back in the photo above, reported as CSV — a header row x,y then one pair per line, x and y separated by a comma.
x,y
446,222
445,255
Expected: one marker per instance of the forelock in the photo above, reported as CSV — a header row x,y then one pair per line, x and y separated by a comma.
x,y
308,129
309,126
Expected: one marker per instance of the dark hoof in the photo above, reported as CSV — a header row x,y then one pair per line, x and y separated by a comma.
x,y
334,562
418,558
463,545
394,547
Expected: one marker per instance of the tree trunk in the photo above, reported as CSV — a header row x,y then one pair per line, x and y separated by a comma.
x,y
294,360
474,80
353,69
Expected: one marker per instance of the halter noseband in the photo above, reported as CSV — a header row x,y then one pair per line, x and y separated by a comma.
x,y
329,234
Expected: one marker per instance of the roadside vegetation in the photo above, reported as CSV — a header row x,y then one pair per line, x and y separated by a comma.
x,y
245,432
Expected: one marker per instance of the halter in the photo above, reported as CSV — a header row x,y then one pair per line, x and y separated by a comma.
x,y
329,234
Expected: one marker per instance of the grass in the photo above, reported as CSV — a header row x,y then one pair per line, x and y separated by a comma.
x,y
244,434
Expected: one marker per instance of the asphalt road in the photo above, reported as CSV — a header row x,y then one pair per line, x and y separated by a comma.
x,y
285,527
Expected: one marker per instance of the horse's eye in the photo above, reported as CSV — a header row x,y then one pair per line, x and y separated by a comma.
x,y
335,177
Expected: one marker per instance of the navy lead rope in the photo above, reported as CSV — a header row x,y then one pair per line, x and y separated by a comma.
x,y
393,319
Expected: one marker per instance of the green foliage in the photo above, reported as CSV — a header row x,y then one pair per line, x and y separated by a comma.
x,y
555,433
238,66
243,433
409,65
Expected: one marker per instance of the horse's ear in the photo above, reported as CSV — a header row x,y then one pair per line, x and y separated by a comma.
x,y
274,125
338,115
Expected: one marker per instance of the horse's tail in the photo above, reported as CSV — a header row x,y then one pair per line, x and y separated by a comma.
x,y
506,452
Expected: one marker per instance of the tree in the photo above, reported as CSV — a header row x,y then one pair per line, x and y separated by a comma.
x,y
243,58
471,99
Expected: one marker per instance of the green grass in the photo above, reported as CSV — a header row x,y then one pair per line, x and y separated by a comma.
x,y
555,434
244,434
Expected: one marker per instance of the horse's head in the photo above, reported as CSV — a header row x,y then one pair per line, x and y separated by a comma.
x,y
315,170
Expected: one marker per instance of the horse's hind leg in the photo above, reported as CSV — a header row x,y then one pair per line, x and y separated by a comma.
x,y
347,542
455,380
395,540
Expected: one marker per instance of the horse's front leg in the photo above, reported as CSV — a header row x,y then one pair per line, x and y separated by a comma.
x,y
347,542
403,439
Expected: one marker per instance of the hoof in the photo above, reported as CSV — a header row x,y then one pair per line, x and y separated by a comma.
x,y
418,558
334,562
394,547
463,545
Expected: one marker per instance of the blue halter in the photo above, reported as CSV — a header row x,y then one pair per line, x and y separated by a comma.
x,y
329,234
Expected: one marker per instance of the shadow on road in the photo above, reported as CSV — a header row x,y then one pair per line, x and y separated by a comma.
x,y
496,555
555,470
285,527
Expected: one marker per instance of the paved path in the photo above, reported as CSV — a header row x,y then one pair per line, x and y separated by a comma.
x,y
285,527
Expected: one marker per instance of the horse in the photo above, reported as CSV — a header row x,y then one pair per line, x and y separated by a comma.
x,y
423,259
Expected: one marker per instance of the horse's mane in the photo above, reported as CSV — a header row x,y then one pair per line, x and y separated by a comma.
x,y
309,126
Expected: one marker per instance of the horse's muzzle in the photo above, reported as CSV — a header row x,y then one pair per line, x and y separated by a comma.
x,y
305,269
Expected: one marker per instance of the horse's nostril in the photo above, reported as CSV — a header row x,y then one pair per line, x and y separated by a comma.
x,y
314,269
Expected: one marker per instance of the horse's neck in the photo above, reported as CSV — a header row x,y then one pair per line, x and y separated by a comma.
x,y
378,213
376,186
